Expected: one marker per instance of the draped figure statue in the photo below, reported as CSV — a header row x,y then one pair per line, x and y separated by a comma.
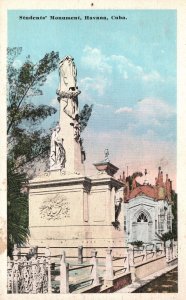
x,y
67,75
57,151
68,91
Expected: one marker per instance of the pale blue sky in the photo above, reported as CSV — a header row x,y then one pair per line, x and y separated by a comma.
x,y
126,68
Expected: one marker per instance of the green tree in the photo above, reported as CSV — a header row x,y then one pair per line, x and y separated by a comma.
x,y
17,217
164,237
130,179
27,141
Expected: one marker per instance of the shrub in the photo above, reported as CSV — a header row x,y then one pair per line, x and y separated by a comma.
x,y
137,243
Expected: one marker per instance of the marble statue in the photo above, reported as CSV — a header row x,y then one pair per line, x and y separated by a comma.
x,y
57,151
106,155
68,91
67,75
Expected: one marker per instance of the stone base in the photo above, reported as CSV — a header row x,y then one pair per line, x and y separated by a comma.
x,y
71,210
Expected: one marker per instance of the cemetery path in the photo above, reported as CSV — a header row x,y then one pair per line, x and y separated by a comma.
x,y
163,281
167,283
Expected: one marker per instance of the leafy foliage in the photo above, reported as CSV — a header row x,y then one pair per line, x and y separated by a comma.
x,y
165,236
84,116
17,209
132,177
25,141
137,243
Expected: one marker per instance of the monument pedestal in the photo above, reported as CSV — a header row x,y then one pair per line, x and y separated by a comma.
x,y
71,211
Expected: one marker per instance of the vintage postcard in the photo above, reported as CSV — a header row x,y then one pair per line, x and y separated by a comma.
x,y
93,149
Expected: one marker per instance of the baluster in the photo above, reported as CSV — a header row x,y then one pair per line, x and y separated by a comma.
x,y
33,262
80,254
109,275
9,273
131,256
166,253
145,252
127,262
45,277
94,268
64,275
169,251
156,247
131,263
15,267
176,248
47,255
172,251
160,249
16,276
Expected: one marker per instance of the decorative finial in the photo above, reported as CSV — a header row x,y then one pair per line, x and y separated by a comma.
x,y
106,155
146,182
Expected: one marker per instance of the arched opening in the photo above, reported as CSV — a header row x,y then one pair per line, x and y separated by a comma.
x,y
142,218
141,226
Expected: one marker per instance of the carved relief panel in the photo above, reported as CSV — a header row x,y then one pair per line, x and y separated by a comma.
x,y
55,208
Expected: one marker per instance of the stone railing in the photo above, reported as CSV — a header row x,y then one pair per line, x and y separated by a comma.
x,y
171,251
70,279
34,274
44,273
146,252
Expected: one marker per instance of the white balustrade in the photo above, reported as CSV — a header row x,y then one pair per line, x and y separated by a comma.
x,y
32,275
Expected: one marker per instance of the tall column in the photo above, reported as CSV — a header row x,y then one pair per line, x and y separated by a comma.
x,y
71,136
69,116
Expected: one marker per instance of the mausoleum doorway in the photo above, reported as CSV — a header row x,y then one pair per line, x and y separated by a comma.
x,y
142,227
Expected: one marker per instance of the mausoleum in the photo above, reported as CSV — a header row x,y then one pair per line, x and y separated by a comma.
x,y
148,210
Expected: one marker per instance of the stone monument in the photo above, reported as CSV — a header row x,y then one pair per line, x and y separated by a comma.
x,y
69,115
67,208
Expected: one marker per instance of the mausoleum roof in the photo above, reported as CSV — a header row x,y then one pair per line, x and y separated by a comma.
x,y
146,190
